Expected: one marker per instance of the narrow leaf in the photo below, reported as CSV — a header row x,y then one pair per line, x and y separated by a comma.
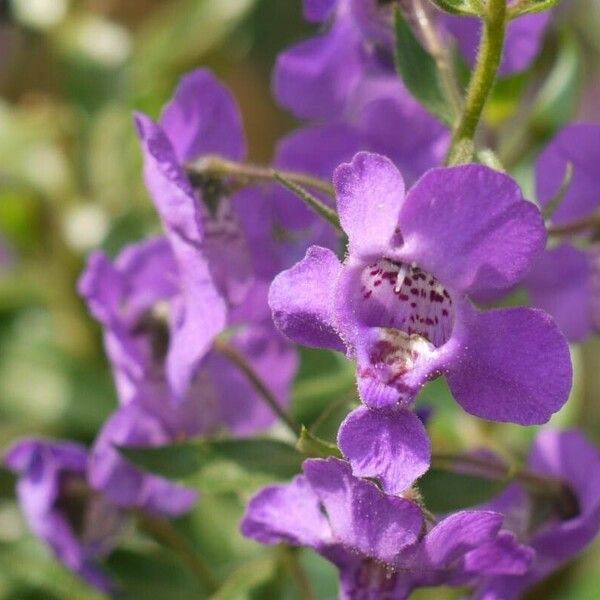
x,y
419,71
445,491
533,6
273,458
556,201
311,445
457,7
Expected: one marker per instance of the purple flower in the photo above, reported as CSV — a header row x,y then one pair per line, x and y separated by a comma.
x,y
79,525
133,299
557,529
400,307
318,78
381,544
220,400
565,279
203,229
346,76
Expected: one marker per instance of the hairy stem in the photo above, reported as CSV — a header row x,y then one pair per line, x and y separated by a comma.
x,y
215,166
482,80
240,361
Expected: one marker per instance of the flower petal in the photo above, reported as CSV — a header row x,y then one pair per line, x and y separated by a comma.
x,y
471,228
559,284
287,513
370,193
301,300
392,447
199,313
580,145
317,150
361,516
171,191
120,481
397,126
513,366
315,78
318,10
455,535
203,119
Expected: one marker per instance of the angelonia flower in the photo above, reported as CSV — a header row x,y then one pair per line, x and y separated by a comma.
x,y
132,298
208,248
384,546
565,279
556,527
401,306
319,77
78,524
343,77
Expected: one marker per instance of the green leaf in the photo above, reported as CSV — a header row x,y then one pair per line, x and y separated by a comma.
x,y
311,445
560,194
271,458
534,6
245,578
444,491
558,98
419,71
458,7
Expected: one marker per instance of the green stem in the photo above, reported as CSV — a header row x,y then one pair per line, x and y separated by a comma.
x,y
239,360
289,557
165,534
534,481
215,166
314,203
482,82
583,225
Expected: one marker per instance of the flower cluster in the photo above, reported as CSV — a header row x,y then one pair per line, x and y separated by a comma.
x,y
199,323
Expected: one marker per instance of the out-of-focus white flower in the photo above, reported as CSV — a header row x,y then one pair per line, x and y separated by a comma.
x,y
41,14
103,41
85,226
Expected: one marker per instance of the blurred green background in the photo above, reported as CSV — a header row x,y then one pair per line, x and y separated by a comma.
x,y
71,72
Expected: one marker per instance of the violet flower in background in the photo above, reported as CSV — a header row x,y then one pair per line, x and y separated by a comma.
x,y
131,298
220,400
318,78
344,76
399,306
382,545
204,232
79,525
524,37
565,279
556,528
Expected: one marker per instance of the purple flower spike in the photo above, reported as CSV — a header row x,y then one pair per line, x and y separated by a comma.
x,y
80,526
400,303
381,544
569,523
565,279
